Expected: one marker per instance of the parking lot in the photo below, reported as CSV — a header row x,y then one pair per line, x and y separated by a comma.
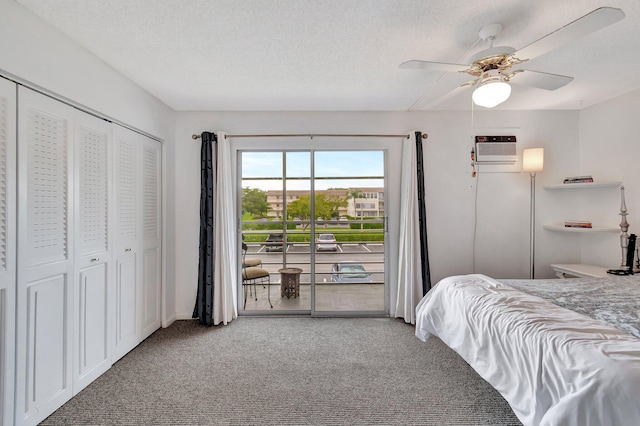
x,y
370,255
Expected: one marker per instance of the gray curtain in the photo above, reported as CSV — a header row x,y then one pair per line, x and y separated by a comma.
x,y
203,309
422,217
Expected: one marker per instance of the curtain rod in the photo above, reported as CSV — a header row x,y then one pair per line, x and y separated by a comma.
x,y
312,135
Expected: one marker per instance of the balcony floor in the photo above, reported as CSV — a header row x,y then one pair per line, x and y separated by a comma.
x,y
331,297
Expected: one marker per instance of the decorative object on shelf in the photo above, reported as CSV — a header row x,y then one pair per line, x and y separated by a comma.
x,y
578,224
559,227
532,162
627,269
578,179
631,252
624,227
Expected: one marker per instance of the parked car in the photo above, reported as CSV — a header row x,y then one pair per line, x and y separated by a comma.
x,y
326,242
273,242
349,272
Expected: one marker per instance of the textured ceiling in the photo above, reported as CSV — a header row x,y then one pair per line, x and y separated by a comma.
x,y
340,55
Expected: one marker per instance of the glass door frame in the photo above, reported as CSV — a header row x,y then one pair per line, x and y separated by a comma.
x,y
312,231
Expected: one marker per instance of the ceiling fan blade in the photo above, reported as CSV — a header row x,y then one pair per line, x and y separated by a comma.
x,y
541,80
433,66
589,23
424,103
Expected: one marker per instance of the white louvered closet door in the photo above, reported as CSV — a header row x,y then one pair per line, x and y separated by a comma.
x,y
45,257
7,246
93,275
137,238
127,237
152,235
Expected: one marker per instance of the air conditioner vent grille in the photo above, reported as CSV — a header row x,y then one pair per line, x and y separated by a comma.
x,y
496,150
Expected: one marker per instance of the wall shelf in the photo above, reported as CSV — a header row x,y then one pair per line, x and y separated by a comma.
x,y
584,185
558,227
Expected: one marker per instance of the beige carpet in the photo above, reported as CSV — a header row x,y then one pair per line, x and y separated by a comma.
x,y
288,371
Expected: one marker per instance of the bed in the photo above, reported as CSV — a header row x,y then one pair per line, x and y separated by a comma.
x,y
561,352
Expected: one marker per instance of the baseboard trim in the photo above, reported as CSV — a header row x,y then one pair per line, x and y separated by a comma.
x,y
184,316
168,321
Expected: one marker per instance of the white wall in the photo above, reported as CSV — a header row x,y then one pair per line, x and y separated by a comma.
x,y
502,243
43,56
598,140
503,193
33,53
609,150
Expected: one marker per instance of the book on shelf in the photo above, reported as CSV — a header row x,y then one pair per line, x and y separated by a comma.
x,y
577,224
578,179
569,182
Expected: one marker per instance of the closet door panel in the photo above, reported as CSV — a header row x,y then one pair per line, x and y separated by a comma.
x,y
138,237
127,192
151,274
152,192
93,291
93,350
127,236
44,342
152,232
127,333
93,152
47,178
7,247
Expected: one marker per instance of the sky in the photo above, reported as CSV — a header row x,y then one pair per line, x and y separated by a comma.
x,y
342,168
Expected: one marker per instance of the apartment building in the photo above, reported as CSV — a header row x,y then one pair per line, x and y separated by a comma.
x,y
370,203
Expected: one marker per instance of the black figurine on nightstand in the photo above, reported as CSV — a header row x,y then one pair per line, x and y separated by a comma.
x,y
631,249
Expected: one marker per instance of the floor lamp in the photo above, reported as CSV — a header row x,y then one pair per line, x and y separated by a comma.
x,y
532,162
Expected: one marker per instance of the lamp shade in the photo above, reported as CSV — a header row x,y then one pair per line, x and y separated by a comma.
x,y
533,160
491,93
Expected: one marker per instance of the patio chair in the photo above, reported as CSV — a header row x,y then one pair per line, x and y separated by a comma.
x,y
255,261
252,275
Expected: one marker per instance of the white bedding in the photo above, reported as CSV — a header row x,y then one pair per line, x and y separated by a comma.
x,y
552,365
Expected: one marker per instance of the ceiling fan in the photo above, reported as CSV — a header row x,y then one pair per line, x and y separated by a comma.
x,y
492,67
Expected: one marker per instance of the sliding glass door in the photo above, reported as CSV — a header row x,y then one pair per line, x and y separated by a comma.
x,y
315,221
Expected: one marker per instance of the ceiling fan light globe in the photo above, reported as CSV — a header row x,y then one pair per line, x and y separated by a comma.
x,y
491,94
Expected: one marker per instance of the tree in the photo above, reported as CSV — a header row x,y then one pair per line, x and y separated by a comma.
x,y
353,194
325,207
300,208
254,201
356,193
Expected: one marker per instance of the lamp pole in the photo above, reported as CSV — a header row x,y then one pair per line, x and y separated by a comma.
x,y
532,220
532,162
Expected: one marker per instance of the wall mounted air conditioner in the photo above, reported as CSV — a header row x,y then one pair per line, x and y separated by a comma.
x,y
496,150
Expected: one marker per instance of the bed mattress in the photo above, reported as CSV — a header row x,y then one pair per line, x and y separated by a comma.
x,y
554,366
614,300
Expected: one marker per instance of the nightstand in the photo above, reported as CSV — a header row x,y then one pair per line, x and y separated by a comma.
x,y
577,270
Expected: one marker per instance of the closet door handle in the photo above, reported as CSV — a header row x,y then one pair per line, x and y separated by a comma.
x,y
95,259
127,249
